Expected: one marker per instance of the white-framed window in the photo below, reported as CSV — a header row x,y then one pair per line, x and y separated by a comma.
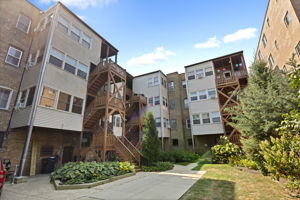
x,y
64,101
188,124
23,23
298,49
166,123
212,94
165,102
82,70
196,119
70,65
215,117
117,121
271,60
63,24
171,86
260,56
5,97
150,82
227,74
77,105
191,75
183,83
193,96
287,19
48,98
186,103
86,41
156,100
199,73
264,40
205,118
56,57
202,94
150,101
13,56
158,122
75,33
208,71
155,80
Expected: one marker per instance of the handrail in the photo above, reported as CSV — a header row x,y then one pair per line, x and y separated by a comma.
x,y
132,146
124,146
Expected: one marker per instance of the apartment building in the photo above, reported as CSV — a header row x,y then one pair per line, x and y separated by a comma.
x,y
280,37
180,126
153,86
211,87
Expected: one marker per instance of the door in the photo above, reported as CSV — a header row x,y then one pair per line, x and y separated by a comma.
x,y
67,154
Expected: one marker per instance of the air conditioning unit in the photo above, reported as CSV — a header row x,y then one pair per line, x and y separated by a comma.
x,y
20,105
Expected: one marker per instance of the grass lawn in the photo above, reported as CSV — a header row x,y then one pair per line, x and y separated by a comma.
x,y
223,182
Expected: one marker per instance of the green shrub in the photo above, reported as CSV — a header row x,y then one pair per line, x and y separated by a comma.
x,y
88,172
225,151
244,163
158,166
178,156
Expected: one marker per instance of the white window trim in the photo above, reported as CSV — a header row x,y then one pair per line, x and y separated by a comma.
x,y
201,118
13,56
9,98
28,25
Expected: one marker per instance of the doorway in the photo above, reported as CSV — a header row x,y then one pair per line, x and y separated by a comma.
x,y
67,154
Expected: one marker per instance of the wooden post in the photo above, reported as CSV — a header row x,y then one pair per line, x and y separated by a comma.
x,y
34,150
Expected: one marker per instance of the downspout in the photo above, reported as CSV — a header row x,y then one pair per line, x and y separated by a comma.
x,y
38,93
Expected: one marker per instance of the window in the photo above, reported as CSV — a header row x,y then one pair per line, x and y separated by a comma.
x,y
23,23
268,22
183,83
260,56
205,118
22,99
75,33
202,94
208,71
13,56
117,121
227,74
5,97
56,58
173,123
63,24
215,117
287,19
298,48
271,60
264,40
172,104
199,73
196,119
77,105
186,103
70,65
86,139
82,70
188,124
165,102
175,142
30,96
212,93
166,123
48,97
165,84
276,44
193,96
150,82
155,81
156,100
158,122
64,101
86,41
191,75
150,101
171,86
190,142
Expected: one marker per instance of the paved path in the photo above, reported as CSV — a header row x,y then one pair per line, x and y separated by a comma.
x,y
144,185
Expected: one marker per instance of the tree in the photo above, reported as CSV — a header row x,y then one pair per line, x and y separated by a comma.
x,y
151,144
262,104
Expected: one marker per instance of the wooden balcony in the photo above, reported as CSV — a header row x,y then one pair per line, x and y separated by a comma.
x,y
138,98
221,80
105,66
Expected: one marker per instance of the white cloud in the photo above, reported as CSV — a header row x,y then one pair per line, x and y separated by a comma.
x,y
82,4
210,43
242,34
149,58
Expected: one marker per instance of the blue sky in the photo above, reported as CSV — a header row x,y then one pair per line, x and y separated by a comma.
x,y
169,34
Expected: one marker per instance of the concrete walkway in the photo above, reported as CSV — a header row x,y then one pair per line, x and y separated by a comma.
x,y
171,184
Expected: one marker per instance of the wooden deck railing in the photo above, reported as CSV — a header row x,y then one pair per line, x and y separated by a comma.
x,y
236,75
104,66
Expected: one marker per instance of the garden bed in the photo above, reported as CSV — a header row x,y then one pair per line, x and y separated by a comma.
x,y
59,186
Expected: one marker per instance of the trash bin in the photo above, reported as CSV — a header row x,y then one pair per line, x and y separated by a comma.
x,y
48,165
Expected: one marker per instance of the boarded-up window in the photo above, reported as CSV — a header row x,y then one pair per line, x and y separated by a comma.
x,y
48,97
64,101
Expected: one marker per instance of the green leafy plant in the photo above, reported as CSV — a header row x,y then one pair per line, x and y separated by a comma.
x,y
88,172
244,163
225,151
178,156
158,166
